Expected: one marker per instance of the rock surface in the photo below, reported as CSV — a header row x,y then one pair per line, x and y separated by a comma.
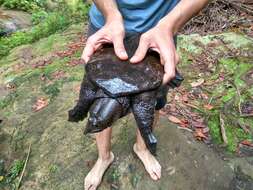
x,y
61,156
11,21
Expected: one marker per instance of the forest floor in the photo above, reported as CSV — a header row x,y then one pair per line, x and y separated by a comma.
x,y
205,131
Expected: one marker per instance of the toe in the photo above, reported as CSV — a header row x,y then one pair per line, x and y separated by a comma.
x,y
93,187
158,170
153,176
86,186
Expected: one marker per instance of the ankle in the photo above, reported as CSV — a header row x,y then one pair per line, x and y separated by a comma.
x,y
140,147
105,157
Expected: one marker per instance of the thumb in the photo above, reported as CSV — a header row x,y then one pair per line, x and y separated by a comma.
x,y
119,48
140,52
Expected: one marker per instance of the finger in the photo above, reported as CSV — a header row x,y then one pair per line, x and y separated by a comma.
x,y
177,58
92,44
119,48
141,51
89,49
169,67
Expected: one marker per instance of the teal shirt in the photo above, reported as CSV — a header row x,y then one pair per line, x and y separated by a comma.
x,y
138,15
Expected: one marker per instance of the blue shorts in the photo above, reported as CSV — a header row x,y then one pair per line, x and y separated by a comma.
x,y
162,94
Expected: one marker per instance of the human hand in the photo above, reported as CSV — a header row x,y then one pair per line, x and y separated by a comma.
x,y
159,39
112,32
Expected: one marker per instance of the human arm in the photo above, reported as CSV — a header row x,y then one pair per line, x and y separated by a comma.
x,y
112,32
160,37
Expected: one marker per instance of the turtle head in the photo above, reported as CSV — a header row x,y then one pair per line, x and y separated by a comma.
x,y
103,112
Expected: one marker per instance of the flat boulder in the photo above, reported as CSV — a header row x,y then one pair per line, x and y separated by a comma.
x,y
11,21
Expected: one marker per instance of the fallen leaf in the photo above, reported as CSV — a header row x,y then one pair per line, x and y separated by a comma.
x,y
204,96
198,134
43,77
161,112
185,98
77,88
184,123
174,119
208,106
58,74
10,86
197,124
246,142
205,130
74,62
171,170
198,82
40,104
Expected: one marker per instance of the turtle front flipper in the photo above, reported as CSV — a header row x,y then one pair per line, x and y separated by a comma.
x,y
86,98
104,111
143,107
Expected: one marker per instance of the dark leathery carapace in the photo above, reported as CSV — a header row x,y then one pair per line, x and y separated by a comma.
x,y
112,88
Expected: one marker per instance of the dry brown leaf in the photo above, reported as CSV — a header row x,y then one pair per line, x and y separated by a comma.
x,y
40,104
198,82
247,143
161,112
185,98
204,96
197,124
174,119
208,106
10,86
58,74
199,134
184,123
77,88
205,130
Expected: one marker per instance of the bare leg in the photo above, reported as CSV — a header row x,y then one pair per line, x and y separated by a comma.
x,y
150,163
105,158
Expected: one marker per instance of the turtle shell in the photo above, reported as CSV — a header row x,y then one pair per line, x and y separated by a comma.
x,y
121,78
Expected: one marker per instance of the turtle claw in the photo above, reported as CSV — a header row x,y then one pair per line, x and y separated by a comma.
x,y
143,108
151,142
76,114
86,98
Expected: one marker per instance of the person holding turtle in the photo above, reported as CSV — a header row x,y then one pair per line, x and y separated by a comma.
x,y
158,22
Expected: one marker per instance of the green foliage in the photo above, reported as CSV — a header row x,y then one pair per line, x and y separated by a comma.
x,y
25,5
48,23
15,170
54,22
7,100
38,17
10,176
52,89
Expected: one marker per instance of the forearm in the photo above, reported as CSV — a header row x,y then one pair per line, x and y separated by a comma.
x,y
109,9
183,12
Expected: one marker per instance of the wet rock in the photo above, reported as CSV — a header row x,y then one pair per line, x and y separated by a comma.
x,y
245,150
11,21
241,181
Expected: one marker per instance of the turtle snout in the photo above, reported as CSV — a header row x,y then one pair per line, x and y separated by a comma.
x,y
92,121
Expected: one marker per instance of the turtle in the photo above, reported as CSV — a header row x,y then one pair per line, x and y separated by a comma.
x,y
112,88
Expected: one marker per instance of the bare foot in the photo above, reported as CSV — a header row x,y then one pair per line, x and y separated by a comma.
x,y
94,177
150,163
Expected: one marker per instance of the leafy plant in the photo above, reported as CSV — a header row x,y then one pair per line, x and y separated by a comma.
x,y
48,23
53,23
15,170
38,17
25,5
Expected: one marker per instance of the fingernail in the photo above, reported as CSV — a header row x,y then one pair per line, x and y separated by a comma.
x,y
123,54
87,59
133,59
